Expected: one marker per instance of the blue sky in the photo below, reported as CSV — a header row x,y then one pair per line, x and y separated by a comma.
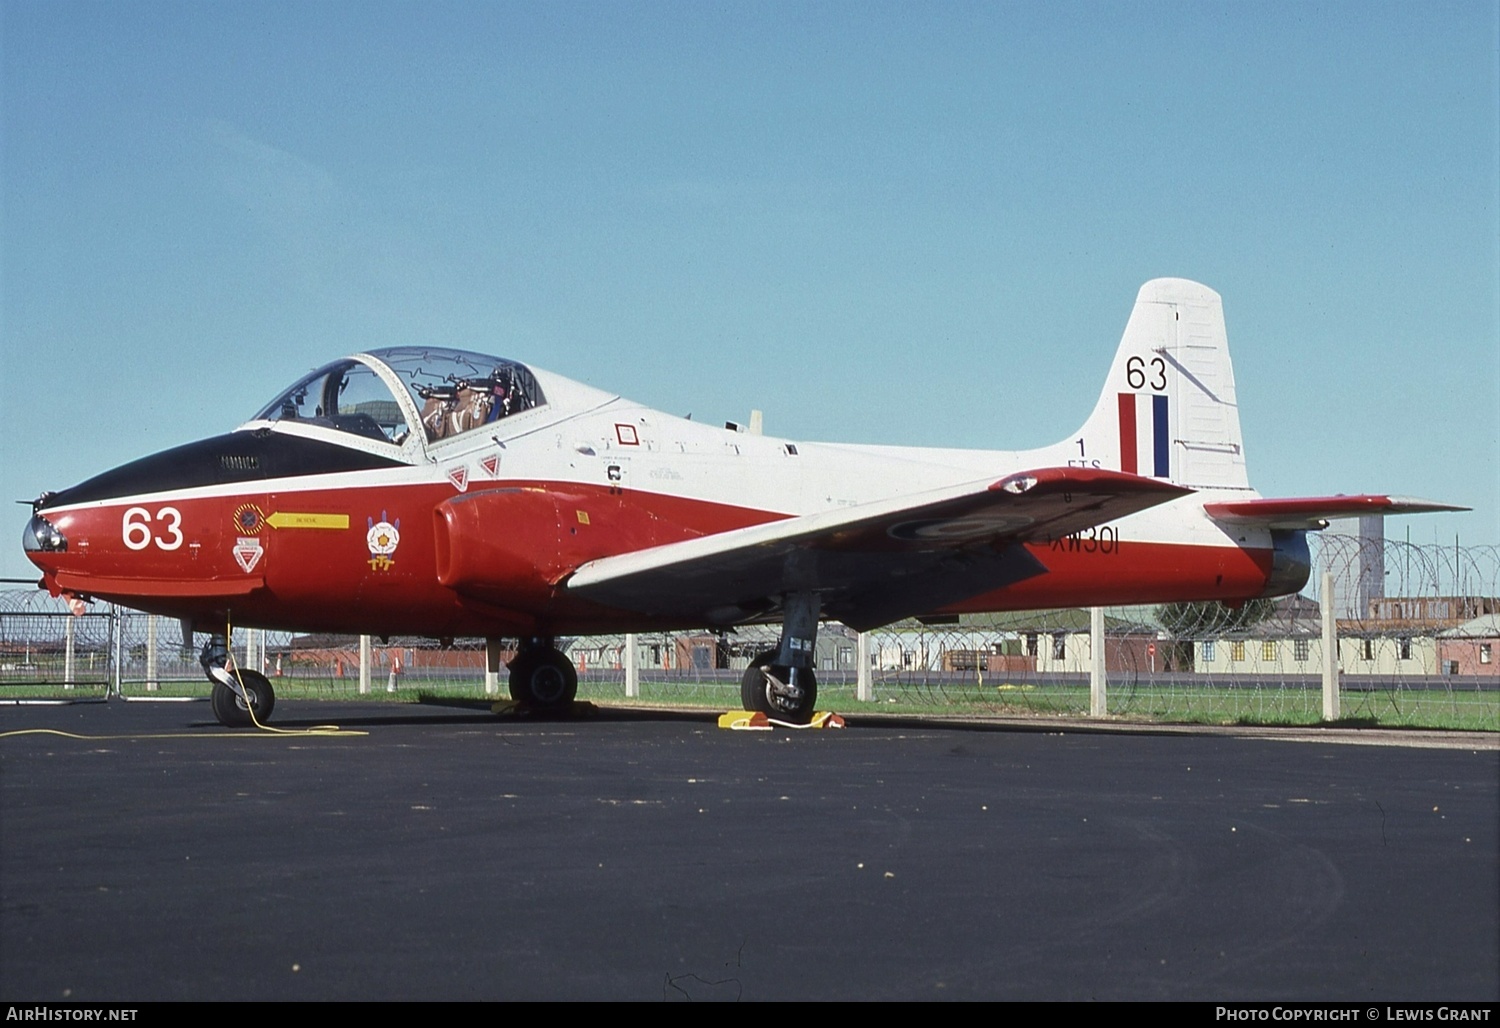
x,y
903,223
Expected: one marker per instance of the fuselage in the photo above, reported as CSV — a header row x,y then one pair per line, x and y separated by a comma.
x,y
423,491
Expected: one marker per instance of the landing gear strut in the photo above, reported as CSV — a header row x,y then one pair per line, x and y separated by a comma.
x,y
235,693
541,677
780,683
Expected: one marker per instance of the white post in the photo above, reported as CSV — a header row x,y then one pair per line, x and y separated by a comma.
x,y
1098,705
864,682
632,667
1330,652
364,665
117,623
68,663
152,683
492,667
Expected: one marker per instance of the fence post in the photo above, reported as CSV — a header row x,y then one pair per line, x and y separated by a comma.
x,y
68,669
152,676
492,667
1098,703
364,665
1330,651
864,681
117,630
632,668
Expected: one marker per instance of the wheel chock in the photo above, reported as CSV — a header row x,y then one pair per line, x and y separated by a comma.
x,y
755,721
745,721
510,708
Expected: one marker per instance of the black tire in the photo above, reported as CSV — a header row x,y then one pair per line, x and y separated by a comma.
x,y
756,692
544,680
231,710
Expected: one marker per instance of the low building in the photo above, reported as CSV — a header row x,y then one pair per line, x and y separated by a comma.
x,y
1472,648
1017,642
1400,637
1287,641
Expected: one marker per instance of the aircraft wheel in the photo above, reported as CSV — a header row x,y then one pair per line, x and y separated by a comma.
x,y
544,679
230,709
759,692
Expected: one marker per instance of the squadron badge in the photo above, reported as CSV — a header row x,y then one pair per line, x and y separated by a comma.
x,y
382,538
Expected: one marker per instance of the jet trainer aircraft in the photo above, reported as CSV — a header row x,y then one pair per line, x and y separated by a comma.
x,y
421,490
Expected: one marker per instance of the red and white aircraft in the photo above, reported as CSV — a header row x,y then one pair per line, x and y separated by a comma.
x,y
420,490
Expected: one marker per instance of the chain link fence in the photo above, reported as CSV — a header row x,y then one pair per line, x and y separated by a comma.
x,y
1418,638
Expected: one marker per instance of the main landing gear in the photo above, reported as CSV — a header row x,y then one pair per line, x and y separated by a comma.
x,y
541,677
780,683
778,691
235,693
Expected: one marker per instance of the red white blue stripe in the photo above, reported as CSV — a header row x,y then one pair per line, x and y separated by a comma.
x,y
1144,438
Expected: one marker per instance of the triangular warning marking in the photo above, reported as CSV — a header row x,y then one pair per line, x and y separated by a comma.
x,y
247,557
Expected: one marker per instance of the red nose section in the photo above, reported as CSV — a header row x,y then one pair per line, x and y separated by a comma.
x,y
130,553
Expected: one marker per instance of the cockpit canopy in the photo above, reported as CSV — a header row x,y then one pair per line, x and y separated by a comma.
x,y
449,392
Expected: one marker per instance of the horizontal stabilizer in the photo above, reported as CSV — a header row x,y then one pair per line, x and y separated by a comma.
x,y
1309,512
873,563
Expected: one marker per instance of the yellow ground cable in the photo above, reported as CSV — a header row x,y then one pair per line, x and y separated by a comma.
x,y
268,729
319,730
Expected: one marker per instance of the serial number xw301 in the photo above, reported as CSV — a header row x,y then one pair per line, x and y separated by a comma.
x,y
1100,539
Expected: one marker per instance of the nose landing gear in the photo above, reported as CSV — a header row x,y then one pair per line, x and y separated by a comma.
x,y
235,693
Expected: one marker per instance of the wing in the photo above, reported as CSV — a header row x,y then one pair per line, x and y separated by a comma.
x,y
1311,512
874,563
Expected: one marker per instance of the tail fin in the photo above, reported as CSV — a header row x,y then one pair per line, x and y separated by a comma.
x,y
1168,409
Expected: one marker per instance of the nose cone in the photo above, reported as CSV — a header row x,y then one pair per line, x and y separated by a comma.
x,y
41,538
45,546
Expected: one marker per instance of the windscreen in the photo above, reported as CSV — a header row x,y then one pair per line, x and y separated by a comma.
x,y
346,396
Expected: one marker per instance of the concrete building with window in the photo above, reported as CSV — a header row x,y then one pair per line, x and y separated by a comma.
x,y
1017,642
1400,636
1472,648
